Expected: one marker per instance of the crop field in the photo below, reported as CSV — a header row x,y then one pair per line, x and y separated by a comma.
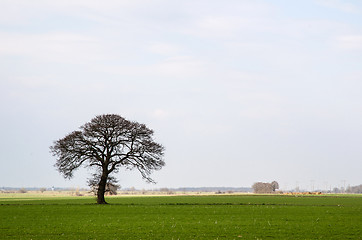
x,y
182,217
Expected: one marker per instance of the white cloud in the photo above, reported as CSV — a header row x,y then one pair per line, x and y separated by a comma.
x,y
343,6
259,105
179,66
349,42
216,26
173,67
55,47
227,27
166,49
160,114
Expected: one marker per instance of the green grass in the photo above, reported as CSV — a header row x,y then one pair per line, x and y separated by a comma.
x,y
183,217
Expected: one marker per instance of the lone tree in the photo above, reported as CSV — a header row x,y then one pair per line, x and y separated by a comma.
x,y
275,185
107,143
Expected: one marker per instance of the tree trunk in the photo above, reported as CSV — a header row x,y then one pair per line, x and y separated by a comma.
x,y
102,189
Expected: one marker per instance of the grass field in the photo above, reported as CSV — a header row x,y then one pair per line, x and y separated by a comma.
x,y
182,217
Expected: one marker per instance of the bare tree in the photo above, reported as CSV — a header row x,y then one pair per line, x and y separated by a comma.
x,y
275,185
107,143
260,187
23,190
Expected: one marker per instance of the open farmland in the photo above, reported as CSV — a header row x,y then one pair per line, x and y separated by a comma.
x,y
182,217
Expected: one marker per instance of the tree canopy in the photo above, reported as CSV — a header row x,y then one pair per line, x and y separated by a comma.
x,y
107,143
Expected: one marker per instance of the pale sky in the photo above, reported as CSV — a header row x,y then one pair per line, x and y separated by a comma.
x,y
237,91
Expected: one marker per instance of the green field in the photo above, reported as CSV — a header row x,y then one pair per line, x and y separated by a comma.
x,y
182,217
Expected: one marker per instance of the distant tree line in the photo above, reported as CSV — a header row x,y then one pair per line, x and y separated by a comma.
x,y
349,189
354,189
211,189
261,187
